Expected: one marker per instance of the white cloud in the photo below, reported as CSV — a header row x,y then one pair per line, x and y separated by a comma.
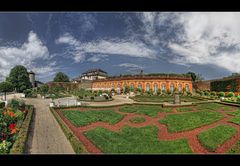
x,y
106,47
97,58
209,38
131,67
27,55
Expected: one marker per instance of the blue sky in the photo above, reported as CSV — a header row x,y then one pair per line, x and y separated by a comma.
x,y
120,43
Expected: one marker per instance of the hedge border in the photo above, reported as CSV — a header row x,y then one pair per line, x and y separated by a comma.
x,y
107,106
77,145
20,145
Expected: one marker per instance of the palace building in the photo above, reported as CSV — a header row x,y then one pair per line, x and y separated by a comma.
x,y
155,82
92,74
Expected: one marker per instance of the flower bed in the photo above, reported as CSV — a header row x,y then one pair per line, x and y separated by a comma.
x,y
11,120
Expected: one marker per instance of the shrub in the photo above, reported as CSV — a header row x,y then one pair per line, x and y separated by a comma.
x,y
2,105
106,97
213,93
4,147
238,98
169,92
80,97
221,94
198,91
85,95
189,93
16,104
206,93
230,94
92,97
201,93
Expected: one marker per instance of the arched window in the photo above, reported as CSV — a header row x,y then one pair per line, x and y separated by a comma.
x,y
163,88
180,87
172,87
187,87
155,88
118,88
124,87
132,87
140,86
147,87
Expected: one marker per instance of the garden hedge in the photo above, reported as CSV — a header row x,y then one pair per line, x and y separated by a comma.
x,y
20,145
77,146
224,85
107,106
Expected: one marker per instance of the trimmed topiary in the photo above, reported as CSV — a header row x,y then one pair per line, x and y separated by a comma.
x,y
221,94
213,93
206,93
231,94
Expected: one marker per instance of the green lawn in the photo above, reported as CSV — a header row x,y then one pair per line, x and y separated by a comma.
x,y
215,137
213,106
236,113
83,118
137,120
235,148
135,140
184,109
140,98
145,109
236,119
190,120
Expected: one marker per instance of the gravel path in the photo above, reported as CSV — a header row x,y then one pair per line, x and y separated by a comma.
x,y
46,136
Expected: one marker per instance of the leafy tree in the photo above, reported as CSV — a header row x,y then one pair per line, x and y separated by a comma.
x,y
6,87
195,77
44,89
61,77
19,78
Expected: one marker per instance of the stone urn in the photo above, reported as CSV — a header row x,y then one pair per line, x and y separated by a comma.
x,y
177,98
51,104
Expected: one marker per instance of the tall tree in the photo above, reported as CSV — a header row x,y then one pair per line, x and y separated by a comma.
x,y
195,77
61,77
6,87
19,78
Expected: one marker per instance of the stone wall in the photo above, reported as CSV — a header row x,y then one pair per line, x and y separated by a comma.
x,y
202,85
85,84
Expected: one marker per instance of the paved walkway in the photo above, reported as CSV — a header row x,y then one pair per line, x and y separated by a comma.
x,y
46,136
